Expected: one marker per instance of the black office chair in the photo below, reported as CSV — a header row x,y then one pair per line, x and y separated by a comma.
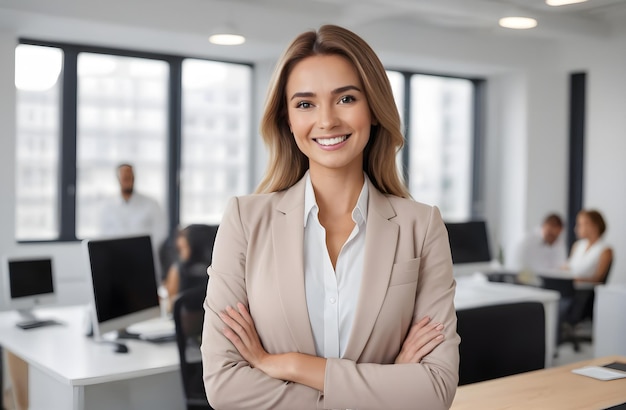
x,y
581,310
501,340
188,319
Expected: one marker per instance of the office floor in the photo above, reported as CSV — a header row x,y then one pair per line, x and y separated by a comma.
x,y
566,353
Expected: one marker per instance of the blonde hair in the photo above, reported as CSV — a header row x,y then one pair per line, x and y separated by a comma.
x,y
287,164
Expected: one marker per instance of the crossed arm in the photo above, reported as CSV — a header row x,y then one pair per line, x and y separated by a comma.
x,y
309,370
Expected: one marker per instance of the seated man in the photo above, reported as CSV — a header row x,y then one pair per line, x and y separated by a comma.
x,y
542,249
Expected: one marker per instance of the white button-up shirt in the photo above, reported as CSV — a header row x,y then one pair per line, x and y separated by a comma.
x,y
140,215
332,295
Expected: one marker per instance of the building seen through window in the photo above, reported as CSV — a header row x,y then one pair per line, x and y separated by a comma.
x,y
37,81
215,138
122,118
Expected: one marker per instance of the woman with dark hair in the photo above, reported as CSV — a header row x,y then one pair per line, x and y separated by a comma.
x,y
330,288
194,245
591,257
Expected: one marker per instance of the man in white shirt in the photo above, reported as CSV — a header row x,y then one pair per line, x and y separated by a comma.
x,y
133,213
543,249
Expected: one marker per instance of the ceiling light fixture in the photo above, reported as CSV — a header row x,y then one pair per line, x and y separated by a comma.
x,y
226,36
518,23
563,2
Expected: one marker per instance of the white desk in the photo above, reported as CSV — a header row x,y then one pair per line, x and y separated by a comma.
x,y
68,370
476,291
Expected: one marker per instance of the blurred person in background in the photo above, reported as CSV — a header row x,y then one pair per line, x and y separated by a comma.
x,y
132,213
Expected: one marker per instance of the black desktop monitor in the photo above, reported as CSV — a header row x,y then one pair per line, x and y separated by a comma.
x,y
29,283
124,282
468,242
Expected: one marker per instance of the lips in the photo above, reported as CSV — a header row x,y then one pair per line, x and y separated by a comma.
x,y
327,142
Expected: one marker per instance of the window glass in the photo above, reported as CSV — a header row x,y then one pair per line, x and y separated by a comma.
x,y
122,118
397,87
442,143
37,80
216,121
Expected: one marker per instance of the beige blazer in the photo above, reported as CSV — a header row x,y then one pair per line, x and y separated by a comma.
x,y
407,274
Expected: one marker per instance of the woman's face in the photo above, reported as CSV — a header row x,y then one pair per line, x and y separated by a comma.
x,y
184,250
328,113
584,227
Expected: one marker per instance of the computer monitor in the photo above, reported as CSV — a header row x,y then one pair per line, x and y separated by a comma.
x,y
124,282
29,283
469,244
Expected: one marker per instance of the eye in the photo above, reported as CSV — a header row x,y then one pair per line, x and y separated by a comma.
x,y
346,99
303,104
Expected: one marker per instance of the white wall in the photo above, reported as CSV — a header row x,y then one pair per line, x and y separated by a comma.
x,y
605,148
526,153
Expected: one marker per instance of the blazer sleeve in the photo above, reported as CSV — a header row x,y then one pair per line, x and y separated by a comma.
x,y
430,384
230,382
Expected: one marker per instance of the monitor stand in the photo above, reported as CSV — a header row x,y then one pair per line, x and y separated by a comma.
x,y
30,321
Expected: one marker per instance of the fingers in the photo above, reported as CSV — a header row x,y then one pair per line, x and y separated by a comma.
x,y
422,338
428,347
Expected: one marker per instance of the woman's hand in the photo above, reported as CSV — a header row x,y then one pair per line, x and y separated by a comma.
x,y
423,337
295,367
242,333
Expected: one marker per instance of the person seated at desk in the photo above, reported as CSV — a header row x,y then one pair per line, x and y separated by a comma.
x,y
541,249
589,263
195,247
590,257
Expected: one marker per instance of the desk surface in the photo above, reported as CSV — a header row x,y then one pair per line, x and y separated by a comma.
x,y
477,291
65,353
554,388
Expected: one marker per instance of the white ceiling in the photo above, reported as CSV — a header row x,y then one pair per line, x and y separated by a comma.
x,y
269,24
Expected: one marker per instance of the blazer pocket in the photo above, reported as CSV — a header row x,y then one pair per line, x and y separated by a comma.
x,y
405,272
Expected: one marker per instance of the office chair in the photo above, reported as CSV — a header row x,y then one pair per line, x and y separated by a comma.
x,y
500,340
567,291
188,319
581,310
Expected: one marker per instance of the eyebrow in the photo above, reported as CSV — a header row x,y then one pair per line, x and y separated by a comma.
x,y
340,90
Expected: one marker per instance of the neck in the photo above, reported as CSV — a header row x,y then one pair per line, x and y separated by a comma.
x,y
337,193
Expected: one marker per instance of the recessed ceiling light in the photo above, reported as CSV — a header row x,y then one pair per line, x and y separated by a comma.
x,y
519,23
227,39
226,35
563,2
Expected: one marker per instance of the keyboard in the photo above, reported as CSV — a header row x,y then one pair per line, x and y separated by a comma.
x,y
154,329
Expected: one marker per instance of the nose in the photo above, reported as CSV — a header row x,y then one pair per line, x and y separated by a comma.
x,y
327,117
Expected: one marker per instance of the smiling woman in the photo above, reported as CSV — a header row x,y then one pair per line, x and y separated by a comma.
x,y
330,277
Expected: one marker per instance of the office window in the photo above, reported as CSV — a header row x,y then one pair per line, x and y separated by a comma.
x,y
441,149
82,110
121,118
37,81
438,115
215,138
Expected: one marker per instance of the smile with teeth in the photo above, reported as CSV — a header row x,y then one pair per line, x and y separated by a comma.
x,y
332,141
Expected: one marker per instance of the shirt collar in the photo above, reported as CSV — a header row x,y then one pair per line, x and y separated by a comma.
x,y
359,214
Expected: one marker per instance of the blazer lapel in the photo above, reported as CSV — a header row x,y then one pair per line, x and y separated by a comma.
x,y
381,239
288,238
